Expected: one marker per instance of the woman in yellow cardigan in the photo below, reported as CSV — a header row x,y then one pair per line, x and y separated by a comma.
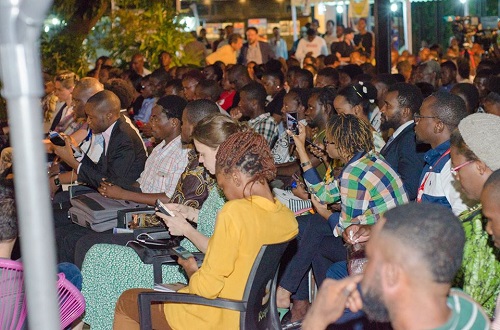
x,y
251,218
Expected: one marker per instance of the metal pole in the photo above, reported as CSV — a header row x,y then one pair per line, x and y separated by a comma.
x,y
294,22
20,69
407,25
382,15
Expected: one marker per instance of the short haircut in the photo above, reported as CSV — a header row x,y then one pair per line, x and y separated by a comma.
x,y
276,75
450,65
233,38
255,92
385,78
172,106
470,93
253,28
431,232
449,108
176,85
106,102
8,215
273,65
331,73
330,59
123,89
236,72
426,88
306,76
493,183
199,109
209,89
463,67
409,96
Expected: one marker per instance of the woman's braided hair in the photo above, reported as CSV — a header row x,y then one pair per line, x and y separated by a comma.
x,y
350,134
249,153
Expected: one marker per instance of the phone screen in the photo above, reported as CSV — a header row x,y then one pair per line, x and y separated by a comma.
x,y
292,124
56,139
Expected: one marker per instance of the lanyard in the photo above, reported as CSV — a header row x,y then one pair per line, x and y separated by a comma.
x,y
431,169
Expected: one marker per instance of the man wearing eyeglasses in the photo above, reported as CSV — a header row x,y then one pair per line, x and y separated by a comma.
x,y
401,101
438,116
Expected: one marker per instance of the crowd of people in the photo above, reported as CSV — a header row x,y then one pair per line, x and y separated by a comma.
x,y
403,165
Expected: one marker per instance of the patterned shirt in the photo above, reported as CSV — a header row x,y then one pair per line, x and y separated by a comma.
x,y
194,184
368,188
164,167
266,126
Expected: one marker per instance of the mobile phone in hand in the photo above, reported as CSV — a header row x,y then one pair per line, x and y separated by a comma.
x,y
182,252
56,139
163,209
292,124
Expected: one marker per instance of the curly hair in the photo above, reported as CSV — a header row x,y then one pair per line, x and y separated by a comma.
x,y
350,134
249,153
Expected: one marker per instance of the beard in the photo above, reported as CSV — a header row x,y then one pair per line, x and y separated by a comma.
x,y
373,305
387,123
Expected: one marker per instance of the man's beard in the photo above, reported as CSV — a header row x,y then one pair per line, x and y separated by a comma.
x,y
390,123
373,305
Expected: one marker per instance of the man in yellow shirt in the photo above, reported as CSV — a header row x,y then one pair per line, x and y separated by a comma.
x,y
227,53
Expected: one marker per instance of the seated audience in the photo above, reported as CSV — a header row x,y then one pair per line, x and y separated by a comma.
x,y
249,220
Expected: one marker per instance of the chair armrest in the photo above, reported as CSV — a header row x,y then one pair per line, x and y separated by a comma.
x,y
158,261
146,298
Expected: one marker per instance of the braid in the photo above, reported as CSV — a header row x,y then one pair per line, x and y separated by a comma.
x,y
350,133
248,152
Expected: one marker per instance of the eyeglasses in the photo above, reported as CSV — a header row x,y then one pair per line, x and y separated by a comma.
x,y
454,170
326,142
418,116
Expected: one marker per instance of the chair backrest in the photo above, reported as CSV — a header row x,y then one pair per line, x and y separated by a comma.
x,y
260,291
71,301
12,299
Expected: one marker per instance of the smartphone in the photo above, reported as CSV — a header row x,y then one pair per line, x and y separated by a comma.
x,y
292,124
56,139
163,209
182,252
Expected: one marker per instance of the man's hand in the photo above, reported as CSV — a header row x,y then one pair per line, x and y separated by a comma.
x,y
187,212
66,153
236,113
333,297
107,189
190,265
357,233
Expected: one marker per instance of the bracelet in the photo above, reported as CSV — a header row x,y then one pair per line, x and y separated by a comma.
x,y
304,164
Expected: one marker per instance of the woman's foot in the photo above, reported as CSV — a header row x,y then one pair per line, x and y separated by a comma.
x,y
283,297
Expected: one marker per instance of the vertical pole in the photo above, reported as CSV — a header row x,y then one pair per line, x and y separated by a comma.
x,y
382,15
294,22
407,25
20,26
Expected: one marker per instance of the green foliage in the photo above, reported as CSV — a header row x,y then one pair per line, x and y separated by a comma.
x,y
148,31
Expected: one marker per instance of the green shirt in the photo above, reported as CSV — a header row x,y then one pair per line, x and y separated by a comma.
x,y
465,313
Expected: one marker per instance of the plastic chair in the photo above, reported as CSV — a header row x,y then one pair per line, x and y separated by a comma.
x,y
13,301
257,309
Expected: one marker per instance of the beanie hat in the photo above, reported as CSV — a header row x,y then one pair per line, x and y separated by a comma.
x,y
481,133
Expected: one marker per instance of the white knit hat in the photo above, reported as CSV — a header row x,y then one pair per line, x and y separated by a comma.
x,y
481,133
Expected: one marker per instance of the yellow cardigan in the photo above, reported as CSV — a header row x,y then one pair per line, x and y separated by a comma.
x,y
242,227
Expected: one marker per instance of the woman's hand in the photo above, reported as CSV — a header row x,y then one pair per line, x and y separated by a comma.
x,y
190,265
299,139
320,207
177,225
318,151
357,234
109,190
187,212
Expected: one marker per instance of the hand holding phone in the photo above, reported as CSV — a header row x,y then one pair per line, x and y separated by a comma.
x,y
56,139
292,124
163,208
182,252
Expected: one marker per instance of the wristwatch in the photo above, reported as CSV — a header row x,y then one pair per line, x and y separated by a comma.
x,y
57,182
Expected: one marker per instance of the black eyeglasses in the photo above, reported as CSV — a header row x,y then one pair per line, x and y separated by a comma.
x,y
326,142
418,116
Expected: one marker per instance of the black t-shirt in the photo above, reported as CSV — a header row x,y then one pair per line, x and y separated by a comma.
x,y
366,41
343,48
274,107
